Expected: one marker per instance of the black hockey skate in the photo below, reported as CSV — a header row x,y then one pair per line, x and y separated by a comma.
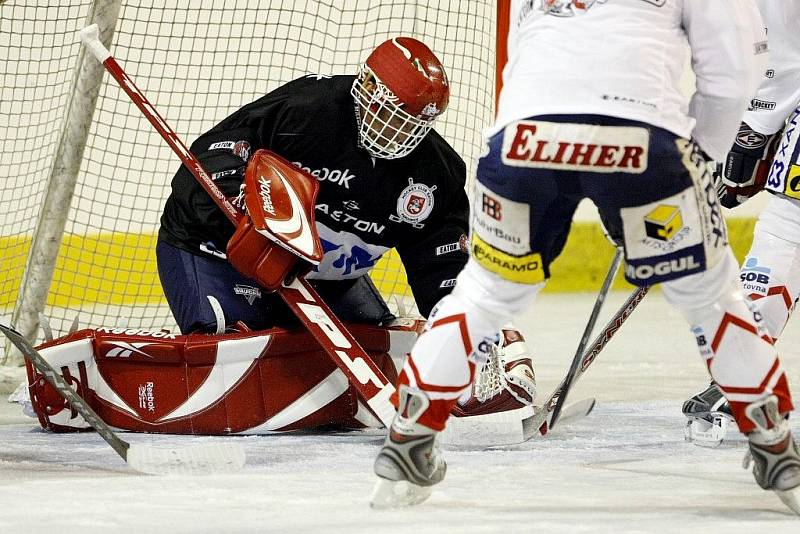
x,y
410,461
774,453
708,417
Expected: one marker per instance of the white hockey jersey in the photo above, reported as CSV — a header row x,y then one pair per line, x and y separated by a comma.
x,y
625,58
779,93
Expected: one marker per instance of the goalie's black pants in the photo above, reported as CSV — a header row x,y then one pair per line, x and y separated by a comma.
x,y
189,279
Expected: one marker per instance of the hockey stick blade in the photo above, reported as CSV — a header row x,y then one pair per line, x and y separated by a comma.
x,y
541,419
571,413
200,459
204,459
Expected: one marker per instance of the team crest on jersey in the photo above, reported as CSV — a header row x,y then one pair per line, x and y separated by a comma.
x,y
568,8
414,204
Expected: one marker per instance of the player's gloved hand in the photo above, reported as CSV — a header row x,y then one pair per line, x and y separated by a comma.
x,y
262,260
746,167
279,199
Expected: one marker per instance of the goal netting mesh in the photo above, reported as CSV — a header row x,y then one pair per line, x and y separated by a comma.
x,y
197,62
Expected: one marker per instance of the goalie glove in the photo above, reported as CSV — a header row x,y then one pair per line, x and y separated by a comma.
x,y
746,167
277,239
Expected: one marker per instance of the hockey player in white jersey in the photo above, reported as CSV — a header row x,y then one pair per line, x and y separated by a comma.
x,y
765,155
591,107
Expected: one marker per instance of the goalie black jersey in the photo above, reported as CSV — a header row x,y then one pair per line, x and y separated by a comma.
x,y
366,206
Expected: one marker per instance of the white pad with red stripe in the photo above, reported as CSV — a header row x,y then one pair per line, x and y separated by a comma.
x,y
737,348
771,272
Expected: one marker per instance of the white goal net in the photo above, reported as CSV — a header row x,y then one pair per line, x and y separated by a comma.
x,y
197,62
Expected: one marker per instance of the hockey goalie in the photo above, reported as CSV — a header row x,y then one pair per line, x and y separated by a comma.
x,y
255,382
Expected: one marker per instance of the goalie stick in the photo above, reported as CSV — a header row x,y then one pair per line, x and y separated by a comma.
x,y
368,380
539,423
195,460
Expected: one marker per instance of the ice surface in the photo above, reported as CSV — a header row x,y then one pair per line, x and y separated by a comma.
x,y
624,469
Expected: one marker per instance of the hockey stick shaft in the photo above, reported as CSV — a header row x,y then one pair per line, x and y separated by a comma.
x,y
542,419
576,360
340,345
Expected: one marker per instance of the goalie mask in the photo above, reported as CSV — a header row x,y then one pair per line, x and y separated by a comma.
x,y
399,92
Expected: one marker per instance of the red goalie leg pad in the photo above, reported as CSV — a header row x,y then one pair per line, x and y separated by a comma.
x,y
246,382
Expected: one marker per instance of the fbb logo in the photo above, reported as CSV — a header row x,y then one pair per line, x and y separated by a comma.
x,y
492,207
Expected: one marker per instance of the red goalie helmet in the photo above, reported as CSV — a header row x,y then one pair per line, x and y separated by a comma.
x,y
399,92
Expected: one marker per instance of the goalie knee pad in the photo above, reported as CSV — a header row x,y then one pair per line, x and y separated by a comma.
x,y
737,349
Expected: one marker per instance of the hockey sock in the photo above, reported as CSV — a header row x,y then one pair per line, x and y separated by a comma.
x,y
737,348
771,273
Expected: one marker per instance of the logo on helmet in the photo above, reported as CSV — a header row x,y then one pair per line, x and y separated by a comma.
x,y
418,65
384,93
430,110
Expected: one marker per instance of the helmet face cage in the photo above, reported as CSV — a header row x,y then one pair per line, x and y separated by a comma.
x,y
385,130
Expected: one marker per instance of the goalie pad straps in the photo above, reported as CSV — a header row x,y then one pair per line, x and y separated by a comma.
x,y
459,334
770,274
737,349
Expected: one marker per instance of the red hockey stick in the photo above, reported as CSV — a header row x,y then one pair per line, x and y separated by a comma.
x,y
301,297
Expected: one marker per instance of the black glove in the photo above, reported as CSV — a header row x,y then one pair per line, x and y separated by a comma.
x,y
746,166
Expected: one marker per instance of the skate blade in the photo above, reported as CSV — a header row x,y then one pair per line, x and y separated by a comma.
x,y
397,494
789,498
